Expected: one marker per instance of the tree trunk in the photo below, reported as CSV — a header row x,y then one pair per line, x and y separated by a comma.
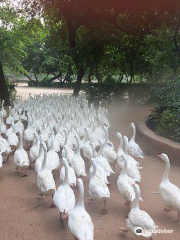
x,y
176,45
78,81
132,65
36,77
4,94
90,73
55,77
120,78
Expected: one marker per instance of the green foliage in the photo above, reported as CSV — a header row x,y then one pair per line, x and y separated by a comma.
x,y
165,118
125,92
169,124
11,38
11,89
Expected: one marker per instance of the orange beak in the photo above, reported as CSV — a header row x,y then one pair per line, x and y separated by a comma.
x,y
159,155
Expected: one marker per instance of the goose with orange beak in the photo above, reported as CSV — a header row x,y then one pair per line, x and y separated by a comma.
x,y
170,193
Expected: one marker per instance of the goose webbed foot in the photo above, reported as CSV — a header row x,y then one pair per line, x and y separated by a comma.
x,y
128,204
90,199
61,221
25,175
52,205
104,211
7,159
66,216
167,210
123,231
54,172
30,166
178,217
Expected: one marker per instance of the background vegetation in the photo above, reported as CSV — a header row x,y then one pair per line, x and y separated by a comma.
x,y
110,49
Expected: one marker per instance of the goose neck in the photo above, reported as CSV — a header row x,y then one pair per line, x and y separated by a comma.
x,y
36,139
93,151
40,152
100,150
106,136
87,135
2,105
166,172
21,141
94,170
78,146
134,133
124,170
120,145
44,160
66,181
126,148
66,138
135,204
80,202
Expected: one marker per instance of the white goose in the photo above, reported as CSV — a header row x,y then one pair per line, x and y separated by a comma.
x,y
103,162
71,172
134,148
70,153
3,111
9,118
133,168
64,198
29,133
19,125
77,162
125,182
45,180
2,124
170,193
108,151
6,149
52,157
86,148
13,138
100,173
56,145
121,154
9,130
98,189
34,150
20,156
1,159
139,219
79,221
39,161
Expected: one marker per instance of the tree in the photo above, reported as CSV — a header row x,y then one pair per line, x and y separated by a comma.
x,y
136,19
11,52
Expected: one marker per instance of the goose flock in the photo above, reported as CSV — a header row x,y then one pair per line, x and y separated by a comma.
x,y
67,134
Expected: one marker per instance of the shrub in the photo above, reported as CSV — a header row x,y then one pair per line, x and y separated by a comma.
x,y
108,92
165,118
12,90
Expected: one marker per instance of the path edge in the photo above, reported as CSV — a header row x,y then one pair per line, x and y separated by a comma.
x,y
153,144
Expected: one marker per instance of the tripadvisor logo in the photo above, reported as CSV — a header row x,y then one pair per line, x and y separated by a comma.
x,y
139,231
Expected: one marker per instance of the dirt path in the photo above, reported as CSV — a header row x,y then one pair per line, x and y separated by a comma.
x,y
23,90
26,216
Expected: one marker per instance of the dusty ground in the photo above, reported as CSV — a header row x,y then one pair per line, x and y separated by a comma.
x,y
23,90
26,216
